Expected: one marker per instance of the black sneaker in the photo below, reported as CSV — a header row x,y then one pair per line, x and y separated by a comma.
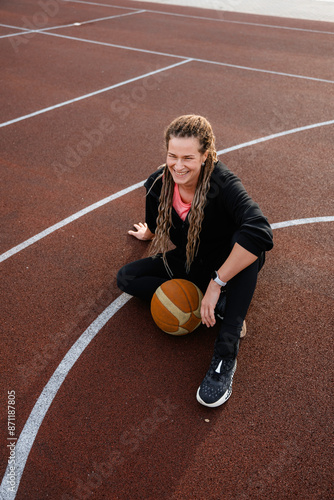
x,y
216,387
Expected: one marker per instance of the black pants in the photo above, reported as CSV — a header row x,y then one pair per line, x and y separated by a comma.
x,y
142,277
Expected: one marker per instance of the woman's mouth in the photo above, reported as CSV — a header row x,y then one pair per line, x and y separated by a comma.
x,y
180,174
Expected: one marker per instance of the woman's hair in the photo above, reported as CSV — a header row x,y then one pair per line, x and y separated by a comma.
x,y
200,128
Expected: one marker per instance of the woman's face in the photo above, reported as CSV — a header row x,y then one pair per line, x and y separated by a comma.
x,y
184,160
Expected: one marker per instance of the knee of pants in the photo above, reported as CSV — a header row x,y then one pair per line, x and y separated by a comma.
x,y
124,278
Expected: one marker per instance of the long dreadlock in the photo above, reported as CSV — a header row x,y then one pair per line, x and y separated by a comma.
x,y
200,128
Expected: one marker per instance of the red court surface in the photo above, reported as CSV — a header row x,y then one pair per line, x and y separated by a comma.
x,y
105,402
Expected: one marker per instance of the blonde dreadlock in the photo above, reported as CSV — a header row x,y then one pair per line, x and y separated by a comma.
x,y
200,128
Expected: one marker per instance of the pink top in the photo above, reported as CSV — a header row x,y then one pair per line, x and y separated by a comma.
x,y
181,208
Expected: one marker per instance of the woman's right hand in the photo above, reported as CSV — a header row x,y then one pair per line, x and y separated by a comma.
x,y
142,232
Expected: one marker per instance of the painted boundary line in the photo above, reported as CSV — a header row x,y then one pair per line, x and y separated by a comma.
x,y
27,31
9,253
298,222
164,54
137,11
30,430
203,18
13,27
91,94
274,136
116,46
177,56
67,221
35,419
184,60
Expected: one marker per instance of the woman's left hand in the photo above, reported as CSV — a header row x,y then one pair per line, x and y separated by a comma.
x,y
209,302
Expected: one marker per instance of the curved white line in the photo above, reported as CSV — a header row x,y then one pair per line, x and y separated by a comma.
x,y
298,222
66,221
274,136
77,215
36,417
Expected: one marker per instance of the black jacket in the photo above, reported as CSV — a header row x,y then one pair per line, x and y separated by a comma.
x,y
229,209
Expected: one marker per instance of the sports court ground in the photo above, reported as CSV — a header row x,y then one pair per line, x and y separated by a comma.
x,y
102,403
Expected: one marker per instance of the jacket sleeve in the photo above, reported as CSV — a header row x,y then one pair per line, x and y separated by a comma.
x,y
254,231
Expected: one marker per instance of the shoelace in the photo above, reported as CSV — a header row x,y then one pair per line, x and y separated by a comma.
x,y
226,365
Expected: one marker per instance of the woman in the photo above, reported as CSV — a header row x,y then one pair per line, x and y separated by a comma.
x,y
220,236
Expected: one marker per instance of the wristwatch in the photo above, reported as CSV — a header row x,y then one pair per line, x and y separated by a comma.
x,y
215,278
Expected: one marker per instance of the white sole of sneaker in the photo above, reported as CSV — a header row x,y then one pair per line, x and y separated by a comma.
x,y
224,397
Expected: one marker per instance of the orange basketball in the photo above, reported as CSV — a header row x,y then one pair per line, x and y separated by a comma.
x,y
176,307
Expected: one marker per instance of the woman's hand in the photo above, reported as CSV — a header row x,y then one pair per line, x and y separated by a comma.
x,y
209,302
142,232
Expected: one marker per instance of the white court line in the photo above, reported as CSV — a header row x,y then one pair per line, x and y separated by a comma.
x,y
96,20
77,215
177,56
17,34
117,46
29,432
90,21
14,27
298,222
184,60
274,136
101,5
91,94
203,18
71,25
159,13
24,31
68,220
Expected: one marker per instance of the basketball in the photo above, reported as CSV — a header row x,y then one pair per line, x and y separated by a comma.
x,y
176,307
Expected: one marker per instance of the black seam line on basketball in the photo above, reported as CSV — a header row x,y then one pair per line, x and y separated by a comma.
x,y
185,296
204,18
196,59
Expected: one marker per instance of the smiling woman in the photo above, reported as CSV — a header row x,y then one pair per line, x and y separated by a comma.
x,y
184,161
220,237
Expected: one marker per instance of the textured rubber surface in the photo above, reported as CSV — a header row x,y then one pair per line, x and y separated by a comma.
x,y
125,423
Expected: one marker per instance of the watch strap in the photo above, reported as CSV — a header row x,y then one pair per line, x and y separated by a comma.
x,y
216,278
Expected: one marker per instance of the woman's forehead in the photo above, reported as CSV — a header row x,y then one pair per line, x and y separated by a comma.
x,y
185,145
